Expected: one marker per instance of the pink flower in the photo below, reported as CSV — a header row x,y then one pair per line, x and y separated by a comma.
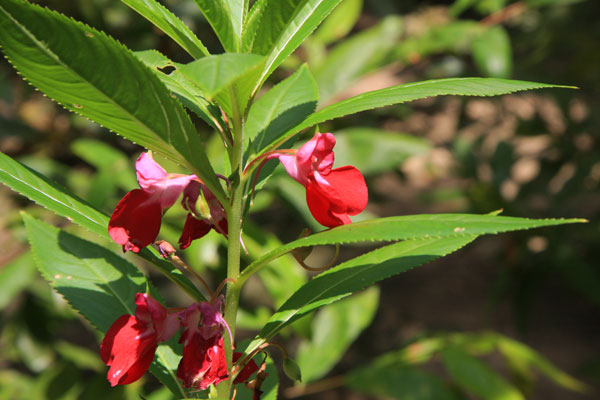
x,y
203,363
135,223
331,194
129,345
198,224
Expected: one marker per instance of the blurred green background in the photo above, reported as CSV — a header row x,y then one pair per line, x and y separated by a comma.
x,y
533,155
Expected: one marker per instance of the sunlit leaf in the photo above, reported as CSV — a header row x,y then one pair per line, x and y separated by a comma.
x,y
167,22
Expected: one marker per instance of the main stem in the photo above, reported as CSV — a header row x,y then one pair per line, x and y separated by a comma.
x,y
234,219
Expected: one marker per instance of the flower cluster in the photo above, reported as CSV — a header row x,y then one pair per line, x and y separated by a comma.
x,y
130,344
136,220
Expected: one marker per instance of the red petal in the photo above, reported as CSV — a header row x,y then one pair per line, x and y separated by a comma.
x,y
128,348
203,362
193,229
135,223
349,183
321,208
246,372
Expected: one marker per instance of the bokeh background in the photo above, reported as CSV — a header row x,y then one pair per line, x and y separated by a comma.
x,y
535,154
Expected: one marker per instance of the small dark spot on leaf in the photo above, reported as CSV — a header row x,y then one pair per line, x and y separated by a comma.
x,y
166,69
77,106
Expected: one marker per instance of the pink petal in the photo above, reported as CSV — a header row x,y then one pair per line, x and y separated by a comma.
x,y
172,188
289,163
149,172
316,154
135,222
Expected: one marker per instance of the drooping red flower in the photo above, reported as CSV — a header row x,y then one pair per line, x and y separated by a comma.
x,y
129,345
199,223
331,194
136,220
203,362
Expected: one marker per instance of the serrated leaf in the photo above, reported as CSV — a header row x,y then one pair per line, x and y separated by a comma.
x,y
334,329
282,107
59,200
186,90
492,53
356,56
63,58
214,73
354,275
290,22
411,227
400,383
167,22
340,22
409,92
374,151
96,282
219,16
475,377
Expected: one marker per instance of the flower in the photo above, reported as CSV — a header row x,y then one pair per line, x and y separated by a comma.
x,y
331,194
198,224
136,220
129,345
203,361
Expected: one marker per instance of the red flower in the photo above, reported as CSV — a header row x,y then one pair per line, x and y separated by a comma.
x,y
130,343
199,223
331,194
203,361
135,223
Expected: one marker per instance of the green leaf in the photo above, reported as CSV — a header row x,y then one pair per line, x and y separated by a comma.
x,y
237,10
219,16
409,92
334,329
519,354
410,227
475,377
373,151
167,22
280,278
282,107
289,23
212,74
269,387
95,281
15,276
354,275
356,56
492,53
340,22
63,58
186,90
400,383
56,198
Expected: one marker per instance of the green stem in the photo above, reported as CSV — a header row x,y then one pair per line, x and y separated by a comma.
x,y
234,218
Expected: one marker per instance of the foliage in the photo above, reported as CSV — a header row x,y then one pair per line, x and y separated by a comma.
x,y
150,100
